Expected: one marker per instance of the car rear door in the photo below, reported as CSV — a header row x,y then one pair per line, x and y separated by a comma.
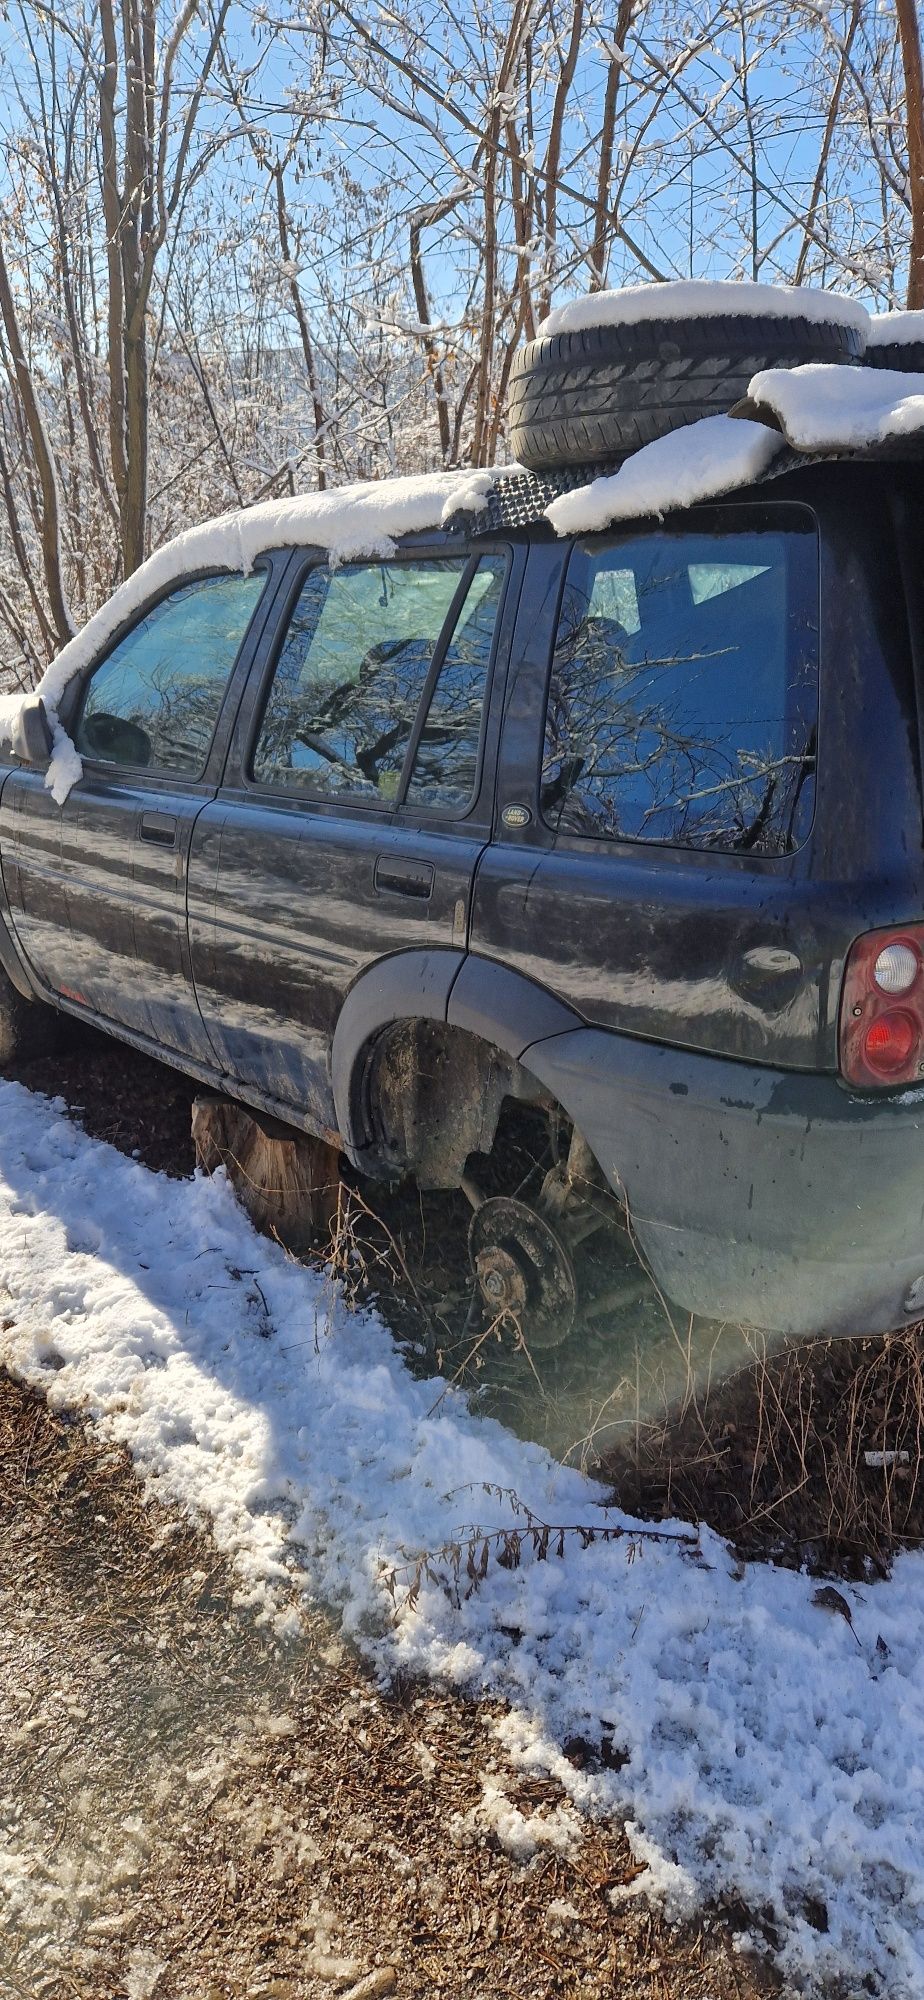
x,y
656,782
356,802
97,887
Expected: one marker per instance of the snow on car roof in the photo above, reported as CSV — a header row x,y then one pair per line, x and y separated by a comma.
x,y
362,519
692,298
699,462
816,408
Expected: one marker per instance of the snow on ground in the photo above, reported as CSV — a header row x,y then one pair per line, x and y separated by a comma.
x,y
692,298
822,407
775,1752
702,460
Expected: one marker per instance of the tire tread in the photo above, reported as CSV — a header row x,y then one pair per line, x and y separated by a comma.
x,y
592,395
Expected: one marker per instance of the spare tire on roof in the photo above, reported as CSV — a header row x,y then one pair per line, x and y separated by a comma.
x,y
896,340
614,370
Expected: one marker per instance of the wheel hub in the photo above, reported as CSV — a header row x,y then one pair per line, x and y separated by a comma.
x,y
523,1270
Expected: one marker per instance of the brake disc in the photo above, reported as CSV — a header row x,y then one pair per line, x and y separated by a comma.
x,y
523,1270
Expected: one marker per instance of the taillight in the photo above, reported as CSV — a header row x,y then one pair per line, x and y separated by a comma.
x,y
882,1009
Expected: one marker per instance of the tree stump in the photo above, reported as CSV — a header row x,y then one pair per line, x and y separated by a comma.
x,y
288,1182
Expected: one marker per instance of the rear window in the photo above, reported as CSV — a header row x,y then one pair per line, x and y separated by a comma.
x,y
683,696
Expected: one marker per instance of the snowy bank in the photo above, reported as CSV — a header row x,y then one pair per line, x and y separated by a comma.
x,y
774,1753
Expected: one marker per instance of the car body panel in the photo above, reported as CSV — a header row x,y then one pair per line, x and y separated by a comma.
x,y
753,1194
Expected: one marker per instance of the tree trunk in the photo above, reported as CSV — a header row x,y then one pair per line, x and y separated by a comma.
x,y
288,1183
301,318
426,217
602,220
910,37
50,521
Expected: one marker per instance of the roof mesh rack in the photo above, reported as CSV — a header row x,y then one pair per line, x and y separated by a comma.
x,y
520,499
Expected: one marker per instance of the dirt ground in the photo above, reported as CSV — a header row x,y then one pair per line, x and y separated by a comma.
x,y
189,1811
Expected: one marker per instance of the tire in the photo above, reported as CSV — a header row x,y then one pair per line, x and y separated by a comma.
x,y
589,397
27,1027
906,356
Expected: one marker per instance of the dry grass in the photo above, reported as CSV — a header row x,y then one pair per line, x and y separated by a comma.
x,y
781,1456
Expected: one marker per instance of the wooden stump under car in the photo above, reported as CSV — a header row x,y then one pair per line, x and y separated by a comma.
x,y
288,1182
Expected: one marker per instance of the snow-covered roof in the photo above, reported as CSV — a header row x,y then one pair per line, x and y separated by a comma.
x,y
363,519
686,298
897,329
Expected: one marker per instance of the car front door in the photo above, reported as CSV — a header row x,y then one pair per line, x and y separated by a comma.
x,y
97,887
355,806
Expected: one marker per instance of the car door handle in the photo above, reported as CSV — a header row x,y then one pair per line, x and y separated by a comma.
x,y
404,878
160,828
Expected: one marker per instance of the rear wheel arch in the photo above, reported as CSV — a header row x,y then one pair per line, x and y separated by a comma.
x,y
428,1047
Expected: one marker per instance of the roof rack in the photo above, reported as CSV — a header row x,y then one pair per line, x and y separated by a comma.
x,y
520,500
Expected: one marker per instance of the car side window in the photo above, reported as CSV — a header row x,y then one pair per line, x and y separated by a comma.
x,y
356,663
445,768
683,695
153,702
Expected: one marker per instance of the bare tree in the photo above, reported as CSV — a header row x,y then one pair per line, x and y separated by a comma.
x,y
213,290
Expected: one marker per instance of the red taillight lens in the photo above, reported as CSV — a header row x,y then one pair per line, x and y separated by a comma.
x,y
881,1043
890,1042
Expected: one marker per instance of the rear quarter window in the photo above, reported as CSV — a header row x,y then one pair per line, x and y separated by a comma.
x,y
683,695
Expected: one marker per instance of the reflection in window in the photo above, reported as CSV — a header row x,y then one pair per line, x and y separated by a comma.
x,y
683,710
153,702
446,763
354,668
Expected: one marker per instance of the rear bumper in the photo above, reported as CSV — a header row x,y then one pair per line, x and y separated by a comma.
x,y
773,1198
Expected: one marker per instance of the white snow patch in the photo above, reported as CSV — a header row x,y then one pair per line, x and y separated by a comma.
x,y
65,765
144,1973
822,407
520,1834
559,1912
693,298
702,460
774,1754
898,328
349,522
476,487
